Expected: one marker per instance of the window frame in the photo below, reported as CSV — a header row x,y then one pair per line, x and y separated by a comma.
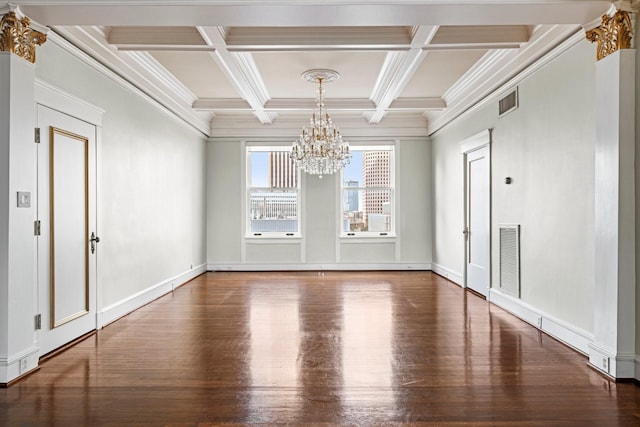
x,y
249,189
393,194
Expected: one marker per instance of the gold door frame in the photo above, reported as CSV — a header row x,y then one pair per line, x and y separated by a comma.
x,y
52,132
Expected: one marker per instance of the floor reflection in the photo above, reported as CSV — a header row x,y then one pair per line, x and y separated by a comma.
x,y
274,326
367,356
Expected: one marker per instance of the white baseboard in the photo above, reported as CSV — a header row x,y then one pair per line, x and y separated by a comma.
x,y
122,308
316,267
18,364
574,337
448,274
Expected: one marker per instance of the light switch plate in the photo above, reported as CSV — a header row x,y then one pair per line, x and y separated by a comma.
x,y
24,199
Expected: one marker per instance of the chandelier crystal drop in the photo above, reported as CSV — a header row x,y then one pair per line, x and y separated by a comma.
x,y
320,149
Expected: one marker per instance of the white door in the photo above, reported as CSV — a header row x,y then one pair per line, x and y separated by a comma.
x,y
477,220
66,211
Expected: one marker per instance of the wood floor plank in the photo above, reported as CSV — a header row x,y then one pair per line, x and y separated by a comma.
x,y
339,348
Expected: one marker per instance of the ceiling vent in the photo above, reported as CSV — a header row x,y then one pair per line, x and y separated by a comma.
x,y
508,103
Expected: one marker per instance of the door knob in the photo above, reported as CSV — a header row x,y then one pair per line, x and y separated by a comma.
x,y
94,239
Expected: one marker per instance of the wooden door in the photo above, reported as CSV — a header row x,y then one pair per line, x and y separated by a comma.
x,y
478,220
67,215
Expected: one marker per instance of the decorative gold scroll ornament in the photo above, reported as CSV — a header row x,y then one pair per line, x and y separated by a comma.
x,y
613,34
16,36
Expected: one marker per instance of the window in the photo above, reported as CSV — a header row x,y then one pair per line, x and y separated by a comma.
x,y
367,192
272,193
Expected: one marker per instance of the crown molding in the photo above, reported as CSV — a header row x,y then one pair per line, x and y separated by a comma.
x,y
90,45
555,50
496,68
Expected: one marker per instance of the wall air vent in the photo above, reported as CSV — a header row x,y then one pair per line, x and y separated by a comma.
x,y
510,259
508,103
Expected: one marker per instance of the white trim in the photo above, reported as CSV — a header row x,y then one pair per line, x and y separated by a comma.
x,y
10,368
476,141
367,239
574,337
315,267
196,125
396,190
614,365
456,278
490,90
59,100
121,308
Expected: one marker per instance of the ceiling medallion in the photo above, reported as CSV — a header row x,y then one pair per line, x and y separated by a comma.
x,y
320,149
17,37
613,34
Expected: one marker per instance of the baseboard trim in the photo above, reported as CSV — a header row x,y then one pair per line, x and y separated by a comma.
x,y
121,308
448,274
575,338
18,365
318,267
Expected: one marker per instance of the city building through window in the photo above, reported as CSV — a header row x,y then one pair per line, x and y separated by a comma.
x,y
272,192
367,192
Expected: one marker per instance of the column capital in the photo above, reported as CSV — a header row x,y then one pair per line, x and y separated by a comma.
x,y
18,37
614,33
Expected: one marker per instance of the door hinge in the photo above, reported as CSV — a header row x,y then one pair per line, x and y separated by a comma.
x,y
37,135
36,228
38,322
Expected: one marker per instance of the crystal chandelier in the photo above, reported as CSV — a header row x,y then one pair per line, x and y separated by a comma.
x,y
320,150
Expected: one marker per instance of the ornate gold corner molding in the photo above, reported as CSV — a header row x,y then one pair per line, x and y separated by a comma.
x,y
16,36
613,34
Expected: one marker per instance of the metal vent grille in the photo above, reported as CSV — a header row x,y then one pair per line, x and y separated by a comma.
x,y
508,103
510,259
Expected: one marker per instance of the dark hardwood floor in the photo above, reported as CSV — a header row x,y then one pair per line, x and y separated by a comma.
x,y
343,348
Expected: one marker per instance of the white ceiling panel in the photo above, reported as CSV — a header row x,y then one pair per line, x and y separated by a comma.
x,y
198,72
438,71
281,72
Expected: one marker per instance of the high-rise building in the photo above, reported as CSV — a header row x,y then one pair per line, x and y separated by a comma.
x,y
282,171
351,200
376,174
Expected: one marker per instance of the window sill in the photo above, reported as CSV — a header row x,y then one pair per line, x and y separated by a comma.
x,y
367,238
269,237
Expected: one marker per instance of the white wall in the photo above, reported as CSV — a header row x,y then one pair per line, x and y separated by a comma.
x,y
17,242
320,246
547,147
152,182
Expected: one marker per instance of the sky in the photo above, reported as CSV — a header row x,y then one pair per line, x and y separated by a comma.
x,y
259,159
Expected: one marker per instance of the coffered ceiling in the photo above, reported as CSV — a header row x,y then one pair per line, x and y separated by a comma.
x,y
227,66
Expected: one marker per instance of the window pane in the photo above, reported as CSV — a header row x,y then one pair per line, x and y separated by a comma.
x,y
273,211
273,169
366,210
367,191
272,192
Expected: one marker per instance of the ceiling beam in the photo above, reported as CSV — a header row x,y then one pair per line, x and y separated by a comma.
x,y
310,13
241,71
156,38
397,70
337,104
